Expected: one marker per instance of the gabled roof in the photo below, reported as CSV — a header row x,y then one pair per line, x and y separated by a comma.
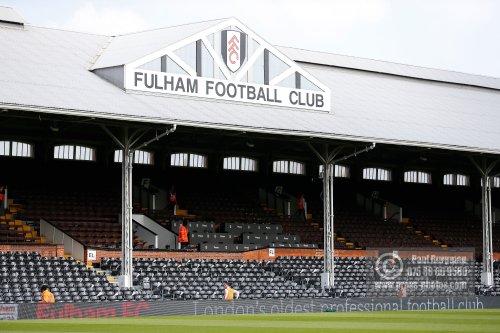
x,y
127,48
47,70
164,56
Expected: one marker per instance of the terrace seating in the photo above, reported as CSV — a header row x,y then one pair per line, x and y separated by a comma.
x,y
235,212
22,274
291,277
452,230
15,230
89,217
370,231
447,215
71,206
203,279
356,228
238,236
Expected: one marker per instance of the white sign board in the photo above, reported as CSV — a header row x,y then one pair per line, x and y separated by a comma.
x,y
272,252
91,255
166,83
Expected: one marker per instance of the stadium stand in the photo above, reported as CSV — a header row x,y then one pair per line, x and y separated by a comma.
x,y
22,273
229,220
48,132
89,217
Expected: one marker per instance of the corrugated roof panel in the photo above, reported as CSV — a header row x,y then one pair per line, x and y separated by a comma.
x,y
337,60
48,69
127,48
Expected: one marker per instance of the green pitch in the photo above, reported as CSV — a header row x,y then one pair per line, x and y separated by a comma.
x,y
405,321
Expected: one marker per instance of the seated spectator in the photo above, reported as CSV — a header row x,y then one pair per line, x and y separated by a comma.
x,y
230,293
47,296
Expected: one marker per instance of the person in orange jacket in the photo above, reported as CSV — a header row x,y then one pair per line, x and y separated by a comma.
x,y
183,235
47,296
230,293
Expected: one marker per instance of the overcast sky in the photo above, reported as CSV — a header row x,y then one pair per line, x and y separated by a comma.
x,y
459,35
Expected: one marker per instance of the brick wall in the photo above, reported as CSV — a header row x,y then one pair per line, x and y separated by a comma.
x,y
163,254
48,250
283,252
250,255
44,250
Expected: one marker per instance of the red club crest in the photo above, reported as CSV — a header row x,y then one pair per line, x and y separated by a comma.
x,y
233,49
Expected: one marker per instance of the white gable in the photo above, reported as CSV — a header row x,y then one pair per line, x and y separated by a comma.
x,y
227,61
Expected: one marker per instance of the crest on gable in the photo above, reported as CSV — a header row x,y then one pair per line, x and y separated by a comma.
x,y
227,61
233,48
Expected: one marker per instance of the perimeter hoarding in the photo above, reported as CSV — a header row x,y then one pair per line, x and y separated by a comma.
x,y
221,307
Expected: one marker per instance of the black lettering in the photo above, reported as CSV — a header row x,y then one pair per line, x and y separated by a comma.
x,y
261,94
192,86
242,87
209,86
276,99
293,97
251,93
151,82
180,85
310,99
231,90
137,78
268,96
168,81
156,83
319,101
218,91
300,99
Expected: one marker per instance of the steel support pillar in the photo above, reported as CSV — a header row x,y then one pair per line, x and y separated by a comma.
x,y
127,231
329,161
487,274
128,148
328,276
487,219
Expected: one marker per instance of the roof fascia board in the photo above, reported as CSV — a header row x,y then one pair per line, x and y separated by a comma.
x,y
261,130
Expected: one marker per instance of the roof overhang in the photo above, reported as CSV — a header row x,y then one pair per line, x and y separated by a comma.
x,y
259,130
